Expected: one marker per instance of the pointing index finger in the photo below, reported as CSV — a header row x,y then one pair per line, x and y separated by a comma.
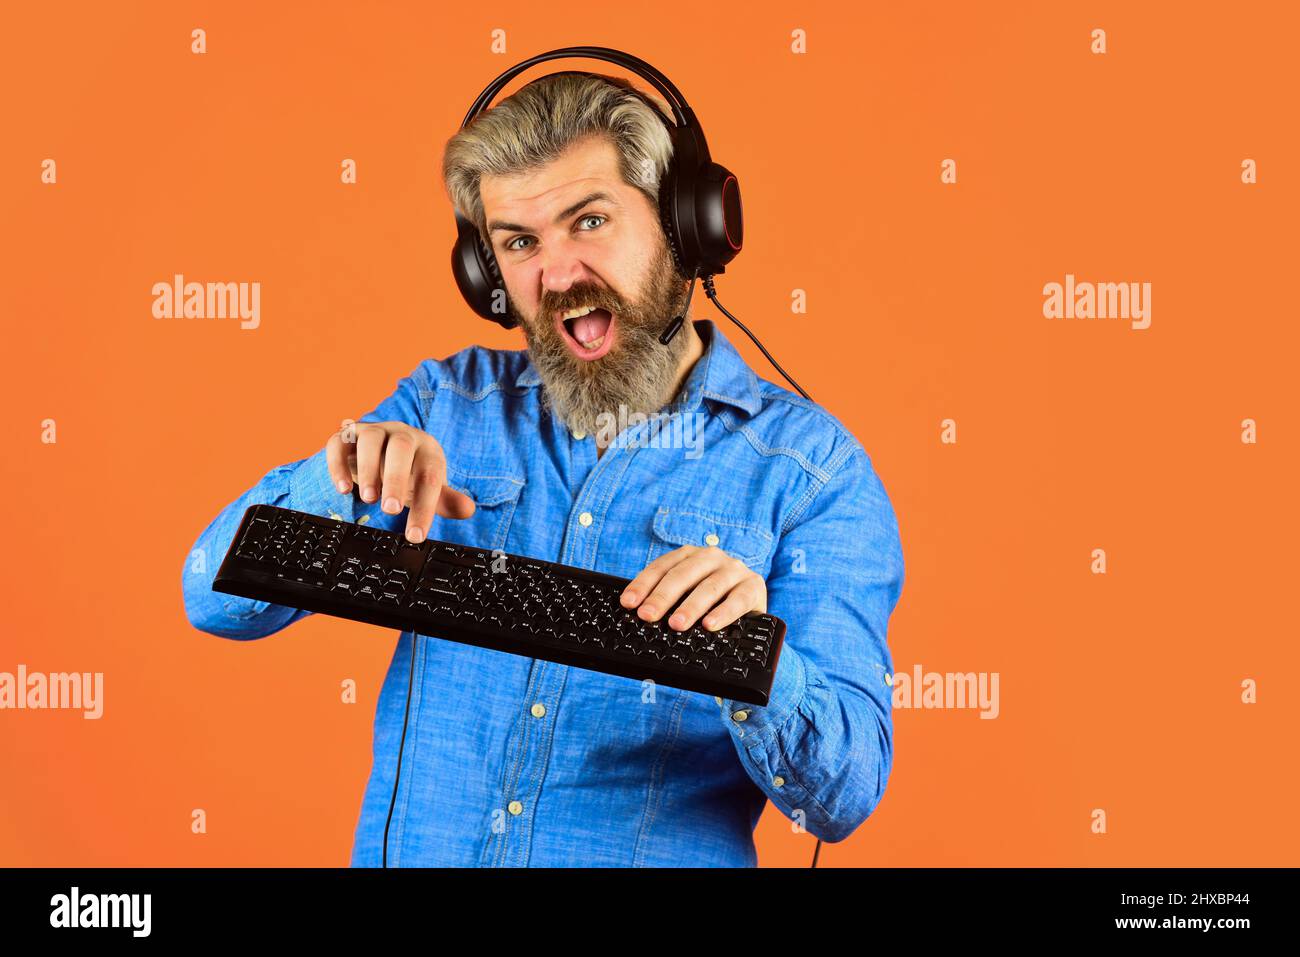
x,y
428,476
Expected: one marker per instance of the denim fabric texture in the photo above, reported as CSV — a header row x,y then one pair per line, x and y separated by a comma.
x,y
519,762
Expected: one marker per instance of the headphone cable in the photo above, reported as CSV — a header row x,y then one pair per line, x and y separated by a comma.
x,y
401,747
713,297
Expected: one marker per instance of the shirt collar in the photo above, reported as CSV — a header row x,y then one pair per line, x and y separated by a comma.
x,y
719,374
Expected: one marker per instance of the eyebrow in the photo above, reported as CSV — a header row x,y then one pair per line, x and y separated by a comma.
x,y
597,197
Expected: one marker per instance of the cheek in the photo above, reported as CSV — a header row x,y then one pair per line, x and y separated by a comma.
x,y
520,307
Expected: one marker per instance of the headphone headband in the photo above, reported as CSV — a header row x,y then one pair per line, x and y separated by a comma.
x,y
681,110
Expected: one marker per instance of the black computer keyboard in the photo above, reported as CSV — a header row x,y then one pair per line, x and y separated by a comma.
x,y
525,606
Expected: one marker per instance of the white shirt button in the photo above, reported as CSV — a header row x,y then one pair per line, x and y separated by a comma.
x,y
739,715
710,539
579,435
584,519
778,781
539,710
717,699
514,807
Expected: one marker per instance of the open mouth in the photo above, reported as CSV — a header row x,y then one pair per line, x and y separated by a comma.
x,y
587,332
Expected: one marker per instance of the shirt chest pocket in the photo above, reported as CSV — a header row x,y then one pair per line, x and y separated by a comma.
x,y
673,527
495,498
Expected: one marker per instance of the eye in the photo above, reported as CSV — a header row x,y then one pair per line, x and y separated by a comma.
x,y
513,248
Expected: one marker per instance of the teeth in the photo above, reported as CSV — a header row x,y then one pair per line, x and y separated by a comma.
x,y
593,345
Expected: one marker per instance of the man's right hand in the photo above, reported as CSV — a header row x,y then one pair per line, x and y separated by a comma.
x,y
398,465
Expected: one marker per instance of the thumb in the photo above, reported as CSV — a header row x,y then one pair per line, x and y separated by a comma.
x,y
454,504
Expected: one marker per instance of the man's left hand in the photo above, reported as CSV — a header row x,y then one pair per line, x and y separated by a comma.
x,y
712,573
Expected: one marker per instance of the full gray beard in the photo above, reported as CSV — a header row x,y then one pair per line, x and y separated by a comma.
x,y
636,374
638,379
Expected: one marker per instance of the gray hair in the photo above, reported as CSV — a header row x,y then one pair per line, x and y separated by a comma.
x,y
539,121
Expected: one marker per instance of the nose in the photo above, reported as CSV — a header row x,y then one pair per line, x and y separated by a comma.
x,y
562,267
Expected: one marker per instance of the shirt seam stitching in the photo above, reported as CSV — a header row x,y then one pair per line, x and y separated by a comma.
x,y
768,450
605,497
656,774
516,765
815,489
479,396
536,795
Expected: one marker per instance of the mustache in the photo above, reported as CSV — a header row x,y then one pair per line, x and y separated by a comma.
x,y
580,296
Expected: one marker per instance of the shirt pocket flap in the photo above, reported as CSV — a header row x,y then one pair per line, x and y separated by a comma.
x,y
485,489
743,540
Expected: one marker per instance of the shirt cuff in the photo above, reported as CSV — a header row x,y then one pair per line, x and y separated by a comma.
x,y
754,724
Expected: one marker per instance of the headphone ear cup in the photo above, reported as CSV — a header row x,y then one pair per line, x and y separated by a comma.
x,y
700,208
719,221
478,276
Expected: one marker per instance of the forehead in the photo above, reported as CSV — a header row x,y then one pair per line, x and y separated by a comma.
x,y
588,164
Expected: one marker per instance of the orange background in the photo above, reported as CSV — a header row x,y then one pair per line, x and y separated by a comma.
x,y
1119,692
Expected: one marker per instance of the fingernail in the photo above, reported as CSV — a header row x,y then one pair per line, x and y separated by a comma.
x,y
341,485
391,505
708,623
629,598
677,621
415,533
368,493
646,611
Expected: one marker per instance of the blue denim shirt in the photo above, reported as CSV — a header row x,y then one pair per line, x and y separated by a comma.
x,y
513,761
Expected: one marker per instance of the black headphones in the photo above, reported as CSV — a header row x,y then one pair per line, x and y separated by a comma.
x,y
699,200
